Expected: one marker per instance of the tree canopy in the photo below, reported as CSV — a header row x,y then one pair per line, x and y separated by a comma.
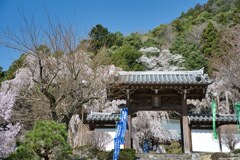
x,y
210,40
126,58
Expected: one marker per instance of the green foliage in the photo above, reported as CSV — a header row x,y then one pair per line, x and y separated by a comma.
x,y
201,18
174,148
99,37
225,12
47,140
237,4
210,40
2,74
125,154
23,152
126,58
134,40
218,155
151,43
222,18
163,35
193,57
193,12
17,64
159,31
103,155
178,25
236,151
194,60
116,39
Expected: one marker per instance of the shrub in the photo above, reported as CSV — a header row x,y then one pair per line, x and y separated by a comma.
x,y
125,154
217,155
102,155
47,140
174,148
236,151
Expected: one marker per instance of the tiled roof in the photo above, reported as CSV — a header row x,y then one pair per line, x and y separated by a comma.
x,y
99,116
106,117
163,77
223,118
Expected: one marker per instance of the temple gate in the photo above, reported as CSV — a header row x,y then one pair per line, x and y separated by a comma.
x,y
159,91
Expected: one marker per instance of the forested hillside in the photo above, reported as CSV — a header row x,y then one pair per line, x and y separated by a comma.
x,y
196,35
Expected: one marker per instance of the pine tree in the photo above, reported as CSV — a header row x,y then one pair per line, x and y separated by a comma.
x,y
210,41
99,37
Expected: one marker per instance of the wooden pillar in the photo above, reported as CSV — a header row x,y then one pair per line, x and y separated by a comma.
x,y
186,132
128,136
219,139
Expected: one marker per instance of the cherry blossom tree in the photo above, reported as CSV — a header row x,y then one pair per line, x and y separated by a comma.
x,y
65,78
229,136
97,139
147,126
8,131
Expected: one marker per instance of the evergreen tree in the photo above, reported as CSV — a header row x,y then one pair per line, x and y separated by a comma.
x,y
134,40
116,39
2,73
210,41
178,26
99,37
193,57
17,64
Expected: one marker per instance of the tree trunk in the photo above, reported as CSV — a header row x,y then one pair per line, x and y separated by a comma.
x,y
54,114
52,101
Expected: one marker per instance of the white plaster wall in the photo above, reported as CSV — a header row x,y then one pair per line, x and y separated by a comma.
x,y
112,132
203,141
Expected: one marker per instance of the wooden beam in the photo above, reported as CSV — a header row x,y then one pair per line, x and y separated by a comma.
x,y
147,107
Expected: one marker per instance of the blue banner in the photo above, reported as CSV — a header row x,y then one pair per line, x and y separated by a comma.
x,y
120,133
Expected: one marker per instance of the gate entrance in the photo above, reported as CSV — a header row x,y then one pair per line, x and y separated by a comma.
x,y
159,91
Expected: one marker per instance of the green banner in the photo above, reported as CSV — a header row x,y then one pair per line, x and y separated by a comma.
x,y
214,110
237,111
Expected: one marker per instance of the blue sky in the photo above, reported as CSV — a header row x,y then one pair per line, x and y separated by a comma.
x,y
126,16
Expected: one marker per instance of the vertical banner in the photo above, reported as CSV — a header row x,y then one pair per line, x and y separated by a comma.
x,y
237,111
116,148
124,118
120,133
214,110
